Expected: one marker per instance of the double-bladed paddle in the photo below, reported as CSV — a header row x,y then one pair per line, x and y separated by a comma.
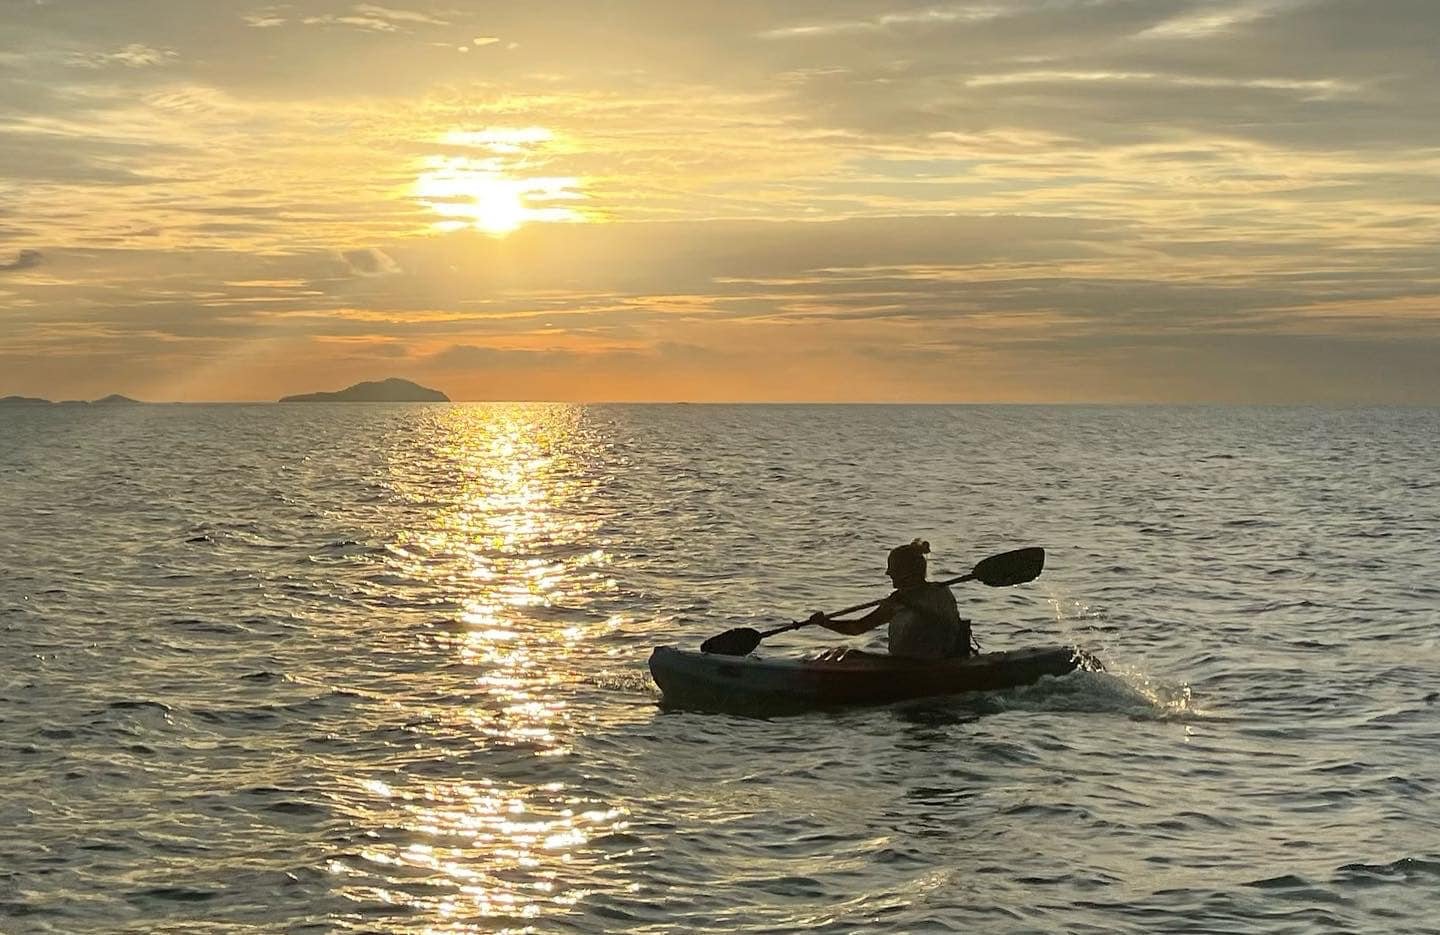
x,y
997,571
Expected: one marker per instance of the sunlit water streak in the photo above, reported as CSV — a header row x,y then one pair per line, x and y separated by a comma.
x,y
380,669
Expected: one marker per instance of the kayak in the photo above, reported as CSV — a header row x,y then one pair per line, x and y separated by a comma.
x,y
755,685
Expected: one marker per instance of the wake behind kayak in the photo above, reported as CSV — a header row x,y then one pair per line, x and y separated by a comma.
x,y
757,686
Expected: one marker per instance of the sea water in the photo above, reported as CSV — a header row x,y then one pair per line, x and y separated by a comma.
x,y
381,668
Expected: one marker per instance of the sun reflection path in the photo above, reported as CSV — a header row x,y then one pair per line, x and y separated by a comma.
x,y
483,832
489,852
490,186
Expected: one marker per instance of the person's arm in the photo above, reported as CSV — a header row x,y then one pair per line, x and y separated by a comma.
x,y
879,616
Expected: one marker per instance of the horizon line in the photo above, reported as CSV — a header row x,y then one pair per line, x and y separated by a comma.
x,y
1293,404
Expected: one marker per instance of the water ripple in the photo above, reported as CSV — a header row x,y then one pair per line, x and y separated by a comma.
x,y
380,669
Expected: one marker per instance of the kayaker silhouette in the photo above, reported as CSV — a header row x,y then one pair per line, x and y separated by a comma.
x,y
925,622
1004,570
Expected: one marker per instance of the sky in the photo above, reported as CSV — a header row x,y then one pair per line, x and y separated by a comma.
x,y
1234,201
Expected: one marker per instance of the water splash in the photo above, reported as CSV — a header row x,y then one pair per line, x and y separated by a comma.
x,y
1078,623
1113,692
1122,687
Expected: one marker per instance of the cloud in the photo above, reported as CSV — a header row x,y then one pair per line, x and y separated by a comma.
x,y
134,55
369,16
927,16
472,357
1207,22
400,16
1316,88
369,262
264,19
994,276
364,16
1007,178
25,259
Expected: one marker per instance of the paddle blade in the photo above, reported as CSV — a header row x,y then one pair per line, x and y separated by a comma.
x,y
1018,567
740,641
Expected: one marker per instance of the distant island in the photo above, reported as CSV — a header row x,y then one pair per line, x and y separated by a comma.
x,y
113,399
393,390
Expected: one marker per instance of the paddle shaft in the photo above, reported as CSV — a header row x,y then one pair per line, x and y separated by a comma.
x,y
850,610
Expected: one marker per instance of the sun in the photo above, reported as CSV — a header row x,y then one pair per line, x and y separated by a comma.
x,y
499,207
470,196
487,190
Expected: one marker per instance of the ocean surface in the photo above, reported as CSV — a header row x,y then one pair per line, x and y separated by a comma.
x,y
381,668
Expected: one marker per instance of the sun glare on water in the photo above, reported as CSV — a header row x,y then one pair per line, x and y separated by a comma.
x,y
486,187
471,841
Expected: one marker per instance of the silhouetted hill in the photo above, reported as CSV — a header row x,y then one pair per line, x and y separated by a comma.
x,y
393,390
113,399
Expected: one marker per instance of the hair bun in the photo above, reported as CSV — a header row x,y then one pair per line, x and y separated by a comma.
x,y
921,546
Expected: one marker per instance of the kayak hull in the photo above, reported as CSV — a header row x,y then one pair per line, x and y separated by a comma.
x,y
754,685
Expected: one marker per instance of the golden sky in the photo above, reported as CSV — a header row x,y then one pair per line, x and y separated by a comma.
x,y
1011,200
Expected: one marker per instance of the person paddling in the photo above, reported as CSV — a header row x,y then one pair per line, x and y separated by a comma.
x,y
924,621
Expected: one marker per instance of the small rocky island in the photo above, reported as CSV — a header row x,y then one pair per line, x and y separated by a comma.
x,y
393,390
114,399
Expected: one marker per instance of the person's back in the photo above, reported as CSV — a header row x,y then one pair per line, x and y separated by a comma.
x,y
924,621
928,624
